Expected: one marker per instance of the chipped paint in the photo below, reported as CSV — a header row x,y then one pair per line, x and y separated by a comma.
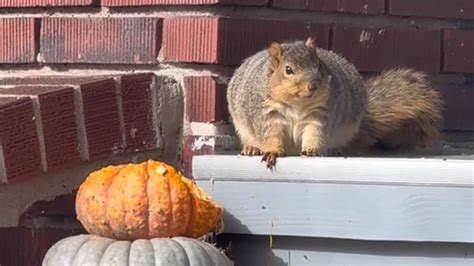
x,y
202,141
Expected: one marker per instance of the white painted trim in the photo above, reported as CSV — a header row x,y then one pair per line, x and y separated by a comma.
x,y
383,199
398,171
306,251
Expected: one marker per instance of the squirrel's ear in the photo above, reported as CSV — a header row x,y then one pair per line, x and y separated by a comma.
x,y
276,53
310,43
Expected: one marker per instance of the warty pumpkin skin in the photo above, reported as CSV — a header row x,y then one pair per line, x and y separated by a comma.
x,y
91,250
145,200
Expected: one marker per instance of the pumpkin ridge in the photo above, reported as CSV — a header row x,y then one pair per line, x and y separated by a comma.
x,y
106,200
128,253
90,200
77,251
192,217
183,249
106,196
105,251
116,234
135,205
160,201
200,254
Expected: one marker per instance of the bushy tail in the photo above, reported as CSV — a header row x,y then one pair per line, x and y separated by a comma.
x,y
404,112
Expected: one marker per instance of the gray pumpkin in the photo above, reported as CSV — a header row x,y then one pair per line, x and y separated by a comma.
x,y
88,250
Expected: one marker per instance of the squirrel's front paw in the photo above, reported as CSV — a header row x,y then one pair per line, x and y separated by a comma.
x,y
310,152
270,158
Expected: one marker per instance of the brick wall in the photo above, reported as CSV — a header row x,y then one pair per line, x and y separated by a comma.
x,y
80,80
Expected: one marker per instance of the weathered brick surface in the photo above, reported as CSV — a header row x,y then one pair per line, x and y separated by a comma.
x,y
33,3
463,9
377,49
227,41
348,6
17,40
101,118
205,100
87,118
56,109
19,141
139,105
459,107
100,40
458,51
180,2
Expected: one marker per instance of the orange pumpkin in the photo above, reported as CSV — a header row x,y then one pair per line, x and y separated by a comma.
x,y
145,200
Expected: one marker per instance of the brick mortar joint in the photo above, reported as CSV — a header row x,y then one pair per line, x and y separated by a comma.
x,y
235,12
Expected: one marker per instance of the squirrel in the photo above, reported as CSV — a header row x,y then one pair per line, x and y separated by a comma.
x,y
298,99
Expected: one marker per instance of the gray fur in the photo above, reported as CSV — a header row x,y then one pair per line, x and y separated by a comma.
x,y
249,89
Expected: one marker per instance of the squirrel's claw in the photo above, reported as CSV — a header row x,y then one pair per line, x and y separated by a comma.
x,y
270,159
250,151
310,153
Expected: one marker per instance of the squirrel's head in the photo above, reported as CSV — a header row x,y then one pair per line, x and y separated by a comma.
x,y
296,71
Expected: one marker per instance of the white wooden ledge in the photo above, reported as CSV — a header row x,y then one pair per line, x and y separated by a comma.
x,y
391,199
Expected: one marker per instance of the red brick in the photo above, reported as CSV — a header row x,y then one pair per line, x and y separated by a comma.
x,y
18,43
33,3
97,112
228,41
55,106
458,51
100,40
205,100
463,9
459,107
378,49
345,6
20,156
101,118
190,39
180,2
239,38
139,105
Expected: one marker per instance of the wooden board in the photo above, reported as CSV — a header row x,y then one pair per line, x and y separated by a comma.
x,y
340,170
376,199
302,251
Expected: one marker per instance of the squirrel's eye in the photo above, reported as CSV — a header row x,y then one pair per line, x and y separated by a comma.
x,y
289,70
